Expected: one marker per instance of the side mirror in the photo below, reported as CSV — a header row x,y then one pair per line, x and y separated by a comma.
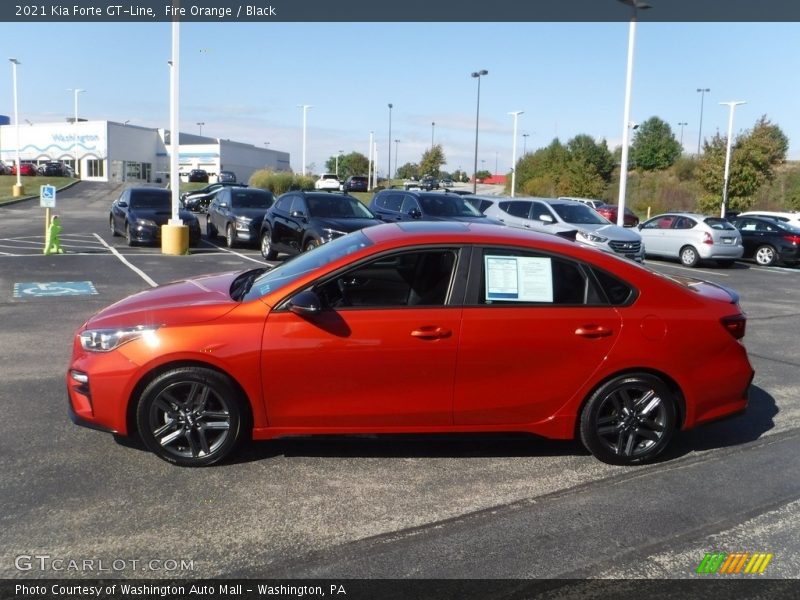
x,y
305,304
639,227
298,214
122,204
223,205
415,213
545,218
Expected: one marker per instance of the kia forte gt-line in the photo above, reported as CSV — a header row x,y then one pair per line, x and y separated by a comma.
x,y
452,327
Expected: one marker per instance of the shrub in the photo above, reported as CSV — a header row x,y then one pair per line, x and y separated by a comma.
x,y
281,181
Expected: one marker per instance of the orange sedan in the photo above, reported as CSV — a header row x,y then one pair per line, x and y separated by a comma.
x,y
416,327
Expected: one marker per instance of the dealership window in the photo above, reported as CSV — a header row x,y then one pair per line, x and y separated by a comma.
x,y
95,168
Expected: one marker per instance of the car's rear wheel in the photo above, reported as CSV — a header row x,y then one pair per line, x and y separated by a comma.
x,y
190,416
689,256
230,235
266,245
629,419
765,256
311,244
114,232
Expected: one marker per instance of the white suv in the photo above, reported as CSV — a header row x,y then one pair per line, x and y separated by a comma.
x,y
327,181
790,218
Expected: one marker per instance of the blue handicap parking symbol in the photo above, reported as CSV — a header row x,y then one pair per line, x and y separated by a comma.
x,y
54,288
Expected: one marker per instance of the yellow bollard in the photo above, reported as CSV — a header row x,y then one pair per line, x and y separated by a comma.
x,y
175,239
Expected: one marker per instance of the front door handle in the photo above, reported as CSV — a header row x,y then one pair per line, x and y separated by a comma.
x,y
593,331
431,333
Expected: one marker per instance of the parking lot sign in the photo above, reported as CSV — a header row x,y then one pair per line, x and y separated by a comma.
x,y
47,196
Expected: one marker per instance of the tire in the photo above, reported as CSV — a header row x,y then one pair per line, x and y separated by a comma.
x,y
629,419
765,256
266,245
190,416
230,236
211,231
128,235
310,245
689,256
114,232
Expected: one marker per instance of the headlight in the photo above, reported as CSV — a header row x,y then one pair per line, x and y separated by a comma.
x,y
592,237
244,220
105,340
146,222
332,233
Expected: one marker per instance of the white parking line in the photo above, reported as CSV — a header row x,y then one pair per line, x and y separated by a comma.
x,y
244,256
125,261
692,269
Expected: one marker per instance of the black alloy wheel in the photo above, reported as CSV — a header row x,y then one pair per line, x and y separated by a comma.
x,y
629,419
190,416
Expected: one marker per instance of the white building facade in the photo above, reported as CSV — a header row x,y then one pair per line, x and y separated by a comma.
x,y
110,151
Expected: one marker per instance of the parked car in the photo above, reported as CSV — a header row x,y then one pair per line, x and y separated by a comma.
x,y
355,183
4,169
792,218
481,203
327,181
447,182
769,241
587,201
56,168
198,176
300,221
453,327
226,177
427,183
198,200
692,237
238,213
26,169
139,213
570,219
611,211
414,205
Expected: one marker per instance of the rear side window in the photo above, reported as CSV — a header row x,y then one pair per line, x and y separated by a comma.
x,y
617,291
517,208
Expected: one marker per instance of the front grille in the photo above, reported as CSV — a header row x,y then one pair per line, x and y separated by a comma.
x,y
626,247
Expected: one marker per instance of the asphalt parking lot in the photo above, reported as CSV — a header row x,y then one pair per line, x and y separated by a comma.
x,y
454,506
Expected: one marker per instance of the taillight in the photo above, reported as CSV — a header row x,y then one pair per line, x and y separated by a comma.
x,y
707,239
735,325
792,239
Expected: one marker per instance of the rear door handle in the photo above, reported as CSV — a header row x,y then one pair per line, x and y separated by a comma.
x,y
593,331
431,333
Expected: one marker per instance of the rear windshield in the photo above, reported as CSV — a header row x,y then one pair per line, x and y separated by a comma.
x,y
358,179
447,206
718,223
251,199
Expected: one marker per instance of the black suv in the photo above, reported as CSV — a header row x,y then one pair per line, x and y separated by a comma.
x,y
238,213
413,205
55,168
300,221
198,176
355,183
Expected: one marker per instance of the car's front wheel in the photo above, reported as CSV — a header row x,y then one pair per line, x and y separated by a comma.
x,y
114,232
267,250
230,235
629,419
190,416
689,256
211,231
311,244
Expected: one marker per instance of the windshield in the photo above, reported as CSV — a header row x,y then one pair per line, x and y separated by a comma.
x,y
579,213
448,206
151,200
251,199
337,207
307,262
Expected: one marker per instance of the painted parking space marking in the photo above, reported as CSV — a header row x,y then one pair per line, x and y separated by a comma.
x,y
127,263
54,288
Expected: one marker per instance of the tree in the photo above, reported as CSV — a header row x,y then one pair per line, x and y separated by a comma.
x,y
584,150
354,163
754,155
483,174
408,171
432,160
654,146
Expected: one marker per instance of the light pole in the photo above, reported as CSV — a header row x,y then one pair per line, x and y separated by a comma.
x,y
305,108
623,176
200,125
700,132
75,135
389,168
337,162
682,124
732,106
477,75
16,190
525,143
433,125
516,115
395,156
370,183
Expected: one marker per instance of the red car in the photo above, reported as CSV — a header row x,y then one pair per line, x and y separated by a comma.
x,y
416,327
25,169
611,211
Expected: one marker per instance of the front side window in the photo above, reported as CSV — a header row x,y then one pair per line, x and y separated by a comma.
x,y
283,203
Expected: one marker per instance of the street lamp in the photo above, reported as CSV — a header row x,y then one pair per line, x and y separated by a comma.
x,y
433,125
17,190
389,168
305,108
516,115
395,156
732,106
337,162
525,143
477,75
682,124
623,177
75,136
700,132
200,125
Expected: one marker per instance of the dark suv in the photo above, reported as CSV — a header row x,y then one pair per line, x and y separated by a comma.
x,y
355,183
56,168
413,205
198,176
300,221
238,213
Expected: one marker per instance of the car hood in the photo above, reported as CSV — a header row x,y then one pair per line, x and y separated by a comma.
x,y
179,303
161,216
614,232
347,225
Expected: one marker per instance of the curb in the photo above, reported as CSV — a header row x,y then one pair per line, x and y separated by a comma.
x,y
24,198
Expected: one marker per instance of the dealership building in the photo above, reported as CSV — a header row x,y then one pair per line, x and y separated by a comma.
x,y
110,151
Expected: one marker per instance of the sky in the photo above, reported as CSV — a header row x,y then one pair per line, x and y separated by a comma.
x,y
246,80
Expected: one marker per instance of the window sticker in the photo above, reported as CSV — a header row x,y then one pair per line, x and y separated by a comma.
x,y
518,279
